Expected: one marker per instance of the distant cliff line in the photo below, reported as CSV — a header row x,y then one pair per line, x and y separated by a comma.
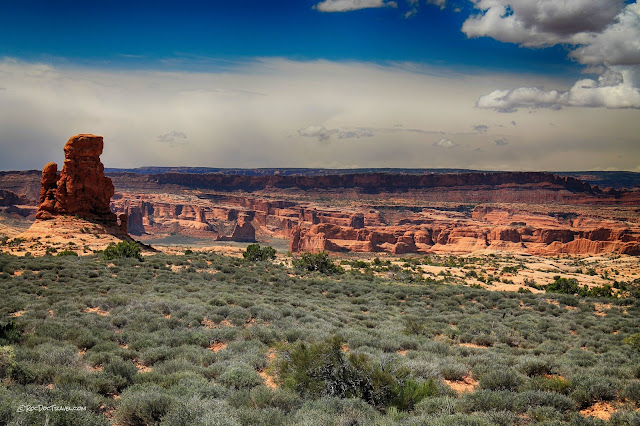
x,y
372,182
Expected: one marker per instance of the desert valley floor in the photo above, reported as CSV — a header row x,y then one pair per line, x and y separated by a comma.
x,y
445,299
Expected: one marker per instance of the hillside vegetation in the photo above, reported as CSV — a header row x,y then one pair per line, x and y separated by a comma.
x,y
203,339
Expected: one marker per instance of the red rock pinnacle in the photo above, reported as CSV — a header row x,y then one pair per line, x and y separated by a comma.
x,y
81,188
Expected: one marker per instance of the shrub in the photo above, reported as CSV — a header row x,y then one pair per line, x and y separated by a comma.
x,y
534,366
486,400
67,253
143,405
563,285
319,262
123,250
200,412
335,411
283,399
632,392
7,361
240,377
633,341
587,389
625,418
255,253
9,332
552,384
324,369
498,380
121,369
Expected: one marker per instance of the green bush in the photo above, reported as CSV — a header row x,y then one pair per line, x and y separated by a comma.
x,y
587,389
123,250
632,392
324,369
9,332
563,285
240,377
143,405
121,372
7,361
255,253
534,366
499,380
633,341
319,262
67,253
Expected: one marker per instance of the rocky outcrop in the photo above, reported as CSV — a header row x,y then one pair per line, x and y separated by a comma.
x,y
81,188
243,231
10,198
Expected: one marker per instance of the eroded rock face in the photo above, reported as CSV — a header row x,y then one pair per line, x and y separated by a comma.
x,y
10,198
81,188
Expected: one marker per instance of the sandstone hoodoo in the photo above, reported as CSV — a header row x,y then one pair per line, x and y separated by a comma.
x,y
81,188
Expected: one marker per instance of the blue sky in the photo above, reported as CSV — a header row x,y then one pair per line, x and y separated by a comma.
x,y
146,34
489,84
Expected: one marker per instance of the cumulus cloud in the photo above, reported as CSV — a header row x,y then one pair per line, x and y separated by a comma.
x,y
618,44
613,89
604,34
481,128
173,138
445,143
323,134
348,5
541,23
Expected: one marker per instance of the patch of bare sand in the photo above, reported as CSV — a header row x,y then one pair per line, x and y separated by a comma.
x,y
600,309
472,345
602,410
96,311
217,347
467,384
207,323
268,380
66,233
143,368
17,314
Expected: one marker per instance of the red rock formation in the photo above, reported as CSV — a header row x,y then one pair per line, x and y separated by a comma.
x,y
10,198
243,231
48,186
505,234
81,189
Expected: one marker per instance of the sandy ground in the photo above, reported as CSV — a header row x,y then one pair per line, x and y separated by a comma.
x,y
485,268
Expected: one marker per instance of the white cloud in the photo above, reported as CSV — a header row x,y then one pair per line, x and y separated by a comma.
x,y
481,128
440,3
618,44
606,33
614,89
173,138
319,132
249,113
348,5
541,23
445,143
